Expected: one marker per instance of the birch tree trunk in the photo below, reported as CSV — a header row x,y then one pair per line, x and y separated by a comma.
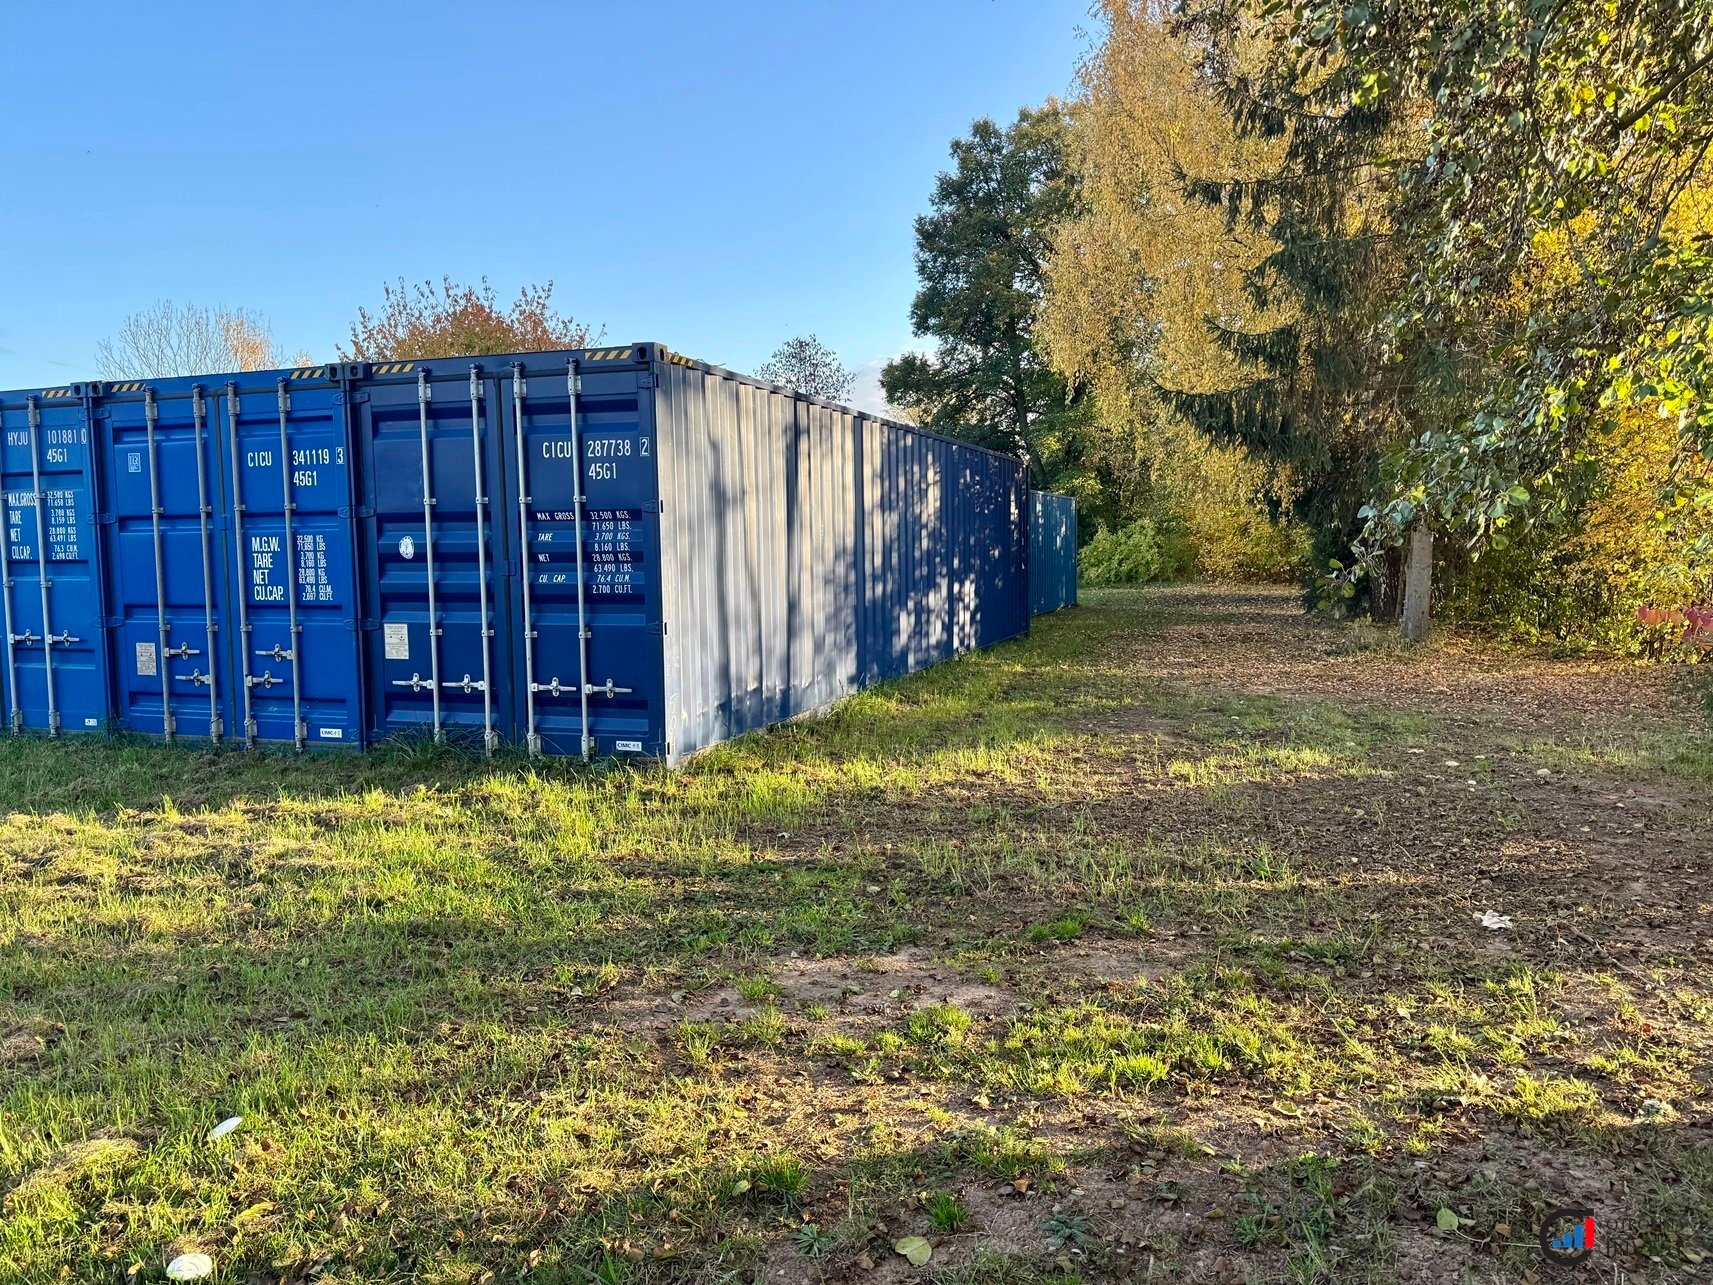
x,y
1418,583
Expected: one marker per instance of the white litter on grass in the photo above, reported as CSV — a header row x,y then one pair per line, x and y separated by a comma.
x,y
190,1267
225,1127
1494,920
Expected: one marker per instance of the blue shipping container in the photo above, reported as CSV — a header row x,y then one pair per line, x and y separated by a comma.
x,y
1052,552
165,559
55,670
615,551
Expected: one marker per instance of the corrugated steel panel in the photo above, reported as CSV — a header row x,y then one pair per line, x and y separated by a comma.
x,y
811,550
1052,552
614,551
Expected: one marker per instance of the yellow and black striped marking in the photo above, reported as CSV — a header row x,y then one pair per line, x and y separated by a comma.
x,y
133,387
608,354
313,372
57,392
395,368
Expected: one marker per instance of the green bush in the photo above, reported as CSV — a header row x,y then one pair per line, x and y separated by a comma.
x,y
1142,551
1578,584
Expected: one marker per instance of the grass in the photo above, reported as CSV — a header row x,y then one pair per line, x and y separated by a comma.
x,y
947,1212
990,933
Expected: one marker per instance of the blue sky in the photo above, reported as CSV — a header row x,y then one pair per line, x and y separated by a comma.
x,y
717,177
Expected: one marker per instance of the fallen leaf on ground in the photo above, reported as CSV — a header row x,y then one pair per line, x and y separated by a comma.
x,y
914,1248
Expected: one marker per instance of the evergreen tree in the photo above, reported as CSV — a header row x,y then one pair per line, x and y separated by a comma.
x,y
1323,393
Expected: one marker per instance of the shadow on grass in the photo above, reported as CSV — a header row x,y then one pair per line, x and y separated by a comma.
x,y
985,700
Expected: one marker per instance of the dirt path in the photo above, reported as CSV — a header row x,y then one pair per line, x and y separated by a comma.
x,y
1312,821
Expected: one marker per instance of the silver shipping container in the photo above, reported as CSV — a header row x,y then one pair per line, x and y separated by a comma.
x,y
810,550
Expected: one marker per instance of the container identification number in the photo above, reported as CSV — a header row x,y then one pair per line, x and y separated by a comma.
x,y
602,456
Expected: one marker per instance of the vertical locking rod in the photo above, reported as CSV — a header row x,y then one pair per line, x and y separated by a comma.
x,y
42,560
151,417
295,631
525,558
489,738
17,709
199,416
574,386
424,394
242,562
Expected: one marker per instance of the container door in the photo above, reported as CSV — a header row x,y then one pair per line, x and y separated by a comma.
x,y
53,672
292,539
589,652
434,553
165,559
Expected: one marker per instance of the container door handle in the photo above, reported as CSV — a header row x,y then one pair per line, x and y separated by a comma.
x,y
490,738
424,395
532,738
579,504
17,719
199,413
243,596
299,732
151,417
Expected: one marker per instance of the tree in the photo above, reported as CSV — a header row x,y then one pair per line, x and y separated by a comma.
x,y
1325,393
451,320
809,366
172,339
981,255
1144,278
1574,118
